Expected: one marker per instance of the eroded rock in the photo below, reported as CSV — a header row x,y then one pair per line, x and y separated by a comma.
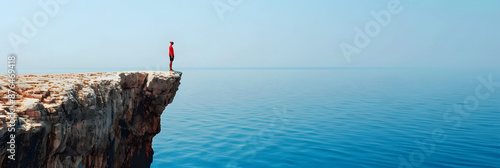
x,y
103,119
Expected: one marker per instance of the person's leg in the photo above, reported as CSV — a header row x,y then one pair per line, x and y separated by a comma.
x,y
170,65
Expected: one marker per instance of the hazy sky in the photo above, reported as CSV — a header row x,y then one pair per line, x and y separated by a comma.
x,y
253,33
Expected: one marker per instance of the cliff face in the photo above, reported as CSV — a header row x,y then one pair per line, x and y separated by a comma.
x,y
85,120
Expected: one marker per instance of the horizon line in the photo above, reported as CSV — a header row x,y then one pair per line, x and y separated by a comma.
x,y
241,68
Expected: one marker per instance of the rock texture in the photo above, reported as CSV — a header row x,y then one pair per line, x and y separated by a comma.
x,y
86,120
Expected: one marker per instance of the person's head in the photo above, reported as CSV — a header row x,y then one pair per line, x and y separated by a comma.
x,y
171,43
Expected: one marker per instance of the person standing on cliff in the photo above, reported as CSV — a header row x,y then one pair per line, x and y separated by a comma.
x,y
171,54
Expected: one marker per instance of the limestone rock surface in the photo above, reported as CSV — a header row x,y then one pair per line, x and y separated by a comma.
x,y
105,119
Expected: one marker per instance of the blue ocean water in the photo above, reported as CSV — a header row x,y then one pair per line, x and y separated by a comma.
x,y
331,118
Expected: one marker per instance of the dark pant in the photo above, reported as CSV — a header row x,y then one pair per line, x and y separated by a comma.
x,y
171,60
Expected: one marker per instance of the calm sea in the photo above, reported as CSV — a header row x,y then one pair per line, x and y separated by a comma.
x,y
318,118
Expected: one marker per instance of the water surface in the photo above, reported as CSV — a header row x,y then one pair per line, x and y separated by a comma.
x,y
328,118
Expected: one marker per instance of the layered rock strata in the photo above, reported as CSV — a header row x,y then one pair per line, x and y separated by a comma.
x,y
103,119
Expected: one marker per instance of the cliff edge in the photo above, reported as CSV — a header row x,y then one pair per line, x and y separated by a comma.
x,y
103,119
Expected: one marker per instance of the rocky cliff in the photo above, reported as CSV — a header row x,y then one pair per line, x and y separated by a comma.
x,y
84,120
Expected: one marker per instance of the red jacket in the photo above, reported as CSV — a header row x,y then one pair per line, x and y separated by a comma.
x,y
171,51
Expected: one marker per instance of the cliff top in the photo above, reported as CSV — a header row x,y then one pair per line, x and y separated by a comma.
x,y
51,90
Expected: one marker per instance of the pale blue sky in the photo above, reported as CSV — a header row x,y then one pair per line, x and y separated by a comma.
x,y
256,33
